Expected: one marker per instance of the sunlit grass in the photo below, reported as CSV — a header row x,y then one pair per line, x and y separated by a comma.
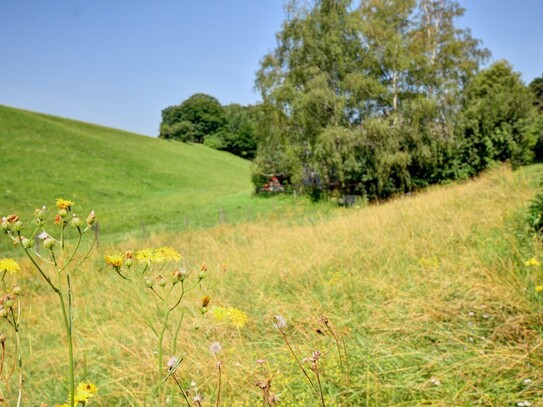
x,y
431,294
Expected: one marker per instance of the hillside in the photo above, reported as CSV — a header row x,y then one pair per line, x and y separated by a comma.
x,y
128,179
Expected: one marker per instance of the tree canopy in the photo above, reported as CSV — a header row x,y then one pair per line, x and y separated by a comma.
x,y
375,97
202,119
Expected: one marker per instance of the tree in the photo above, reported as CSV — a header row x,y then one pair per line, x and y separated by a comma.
x,y
500,121
536,86
195,119
237,136
383,77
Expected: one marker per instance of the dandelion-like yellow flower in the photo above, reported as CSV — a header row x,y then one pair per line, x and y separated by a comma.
x,y
238,318
538,288
64,203
166,254
9,265
114,260
220,314
84,391
533,262
145,256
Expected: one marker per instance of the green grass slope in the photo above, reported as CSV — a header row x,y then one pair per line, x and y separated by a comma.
x,y
128,179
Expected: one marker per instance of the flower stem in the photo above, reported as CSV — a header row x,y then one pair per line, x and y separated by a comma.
x,y
68,326
219,386
320,386
182,391
296,358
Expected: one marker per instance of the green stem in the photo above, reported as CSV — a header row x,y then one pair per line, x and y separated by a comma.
x,y
73,253
68,326
161,346
180,297
142,273
87,254
20,366
55,289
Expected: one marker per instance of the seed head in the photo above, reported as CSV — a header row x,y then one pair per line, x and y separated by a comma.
x,y
215,348
279,322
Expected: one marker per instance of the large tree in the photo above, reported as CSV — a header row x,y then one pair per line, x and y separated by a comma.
x,y
196,118
362,96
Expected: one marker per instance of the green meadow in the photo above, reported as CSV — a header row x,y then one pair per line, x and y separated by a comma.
x,y
430,299
134,182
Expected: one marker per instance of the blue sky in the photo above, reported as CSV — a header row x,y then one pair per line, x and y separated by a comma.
x,y
119,63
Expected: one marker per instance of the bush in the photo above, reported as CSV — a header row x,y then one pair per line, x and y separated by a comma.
x,y
535,213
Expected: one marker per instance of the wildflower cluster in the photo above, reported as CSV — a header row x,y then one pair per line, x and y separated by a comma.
x,y
56,265
10,311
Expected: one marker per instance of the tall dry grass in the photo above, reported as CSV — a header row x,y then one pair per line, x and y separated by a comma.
x,y
429,292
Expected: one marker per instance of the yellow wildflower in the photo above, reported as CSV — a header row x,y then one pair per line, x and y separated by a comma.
x,y
9,265
538,288
145,256
238,318
166,254
84,391
114,260
64,203
533,262
220,314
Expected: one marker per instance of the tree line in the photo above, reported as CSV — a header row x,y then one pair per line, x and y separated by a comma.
x,y
374,98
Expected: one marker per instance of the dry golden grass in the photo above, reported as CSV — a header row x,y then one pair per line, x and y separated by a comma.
x,y
430,293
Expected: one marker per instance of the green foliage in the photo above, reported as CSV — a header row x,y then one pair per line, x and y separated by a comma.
x,y
535,214
363,97
202,119
500,122
536,86
194,119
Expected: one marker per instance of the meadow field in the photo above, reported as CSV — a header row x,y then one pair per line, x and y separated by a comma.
x,y
429,299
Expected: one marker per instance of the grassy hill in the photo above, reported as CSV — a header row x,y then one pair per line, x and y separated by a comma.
x,y
126,178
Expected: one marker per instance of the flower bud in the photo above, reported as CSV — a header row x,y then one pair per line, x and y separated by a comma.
x,y
62,212
161,282
201,275
128,262
49,243
9,303
17,226
3,312
176,277
17,290
203,310
149,282
76,222
3,338
41,214
26,243
91,218
4,225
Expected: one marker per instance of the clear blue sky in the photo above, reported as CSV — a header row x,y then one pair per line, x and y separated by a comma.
x,y
119,63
